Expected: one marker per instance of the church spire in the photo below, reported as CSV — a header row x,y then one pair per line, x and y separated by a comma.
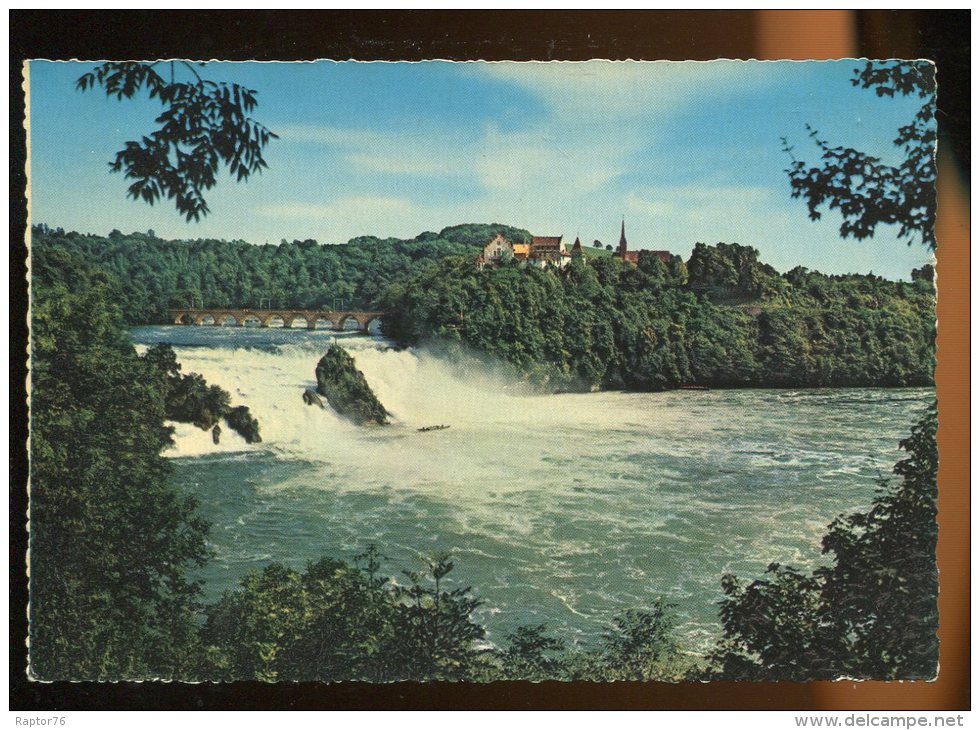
x,y
622,240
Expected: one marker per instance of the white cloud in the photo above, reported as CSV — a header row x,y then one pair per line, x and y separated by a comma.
x,y
545,162
340,219
555,174
394,163
570,157
625,89
700,201
369,151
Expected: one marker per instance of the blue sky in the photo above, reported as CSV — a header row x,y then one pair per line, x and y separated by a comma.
x,y
687,152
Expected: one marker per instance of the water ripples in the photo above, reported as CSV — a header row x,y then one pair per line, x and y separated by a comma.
x,y
560,509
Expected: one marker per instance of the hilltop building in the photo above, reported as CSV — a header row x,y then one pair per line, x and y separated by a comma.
x,y
542,251
548,251
633,257
499,249
545,251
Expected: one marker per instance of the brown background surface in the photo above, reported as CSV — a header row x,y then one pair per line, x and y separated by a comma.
x,y
542,35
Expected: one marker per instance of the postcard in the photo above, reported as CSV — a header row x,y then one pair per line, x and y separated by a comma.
x,y
579,371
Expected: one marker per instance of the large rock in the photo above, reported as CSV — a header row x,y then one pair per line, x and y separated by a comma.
x,y
346,390
241,420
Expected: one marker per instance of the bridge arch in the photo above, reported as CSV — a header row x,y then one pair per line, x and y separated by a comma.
x,y
373,325
277,319
349,321
343,323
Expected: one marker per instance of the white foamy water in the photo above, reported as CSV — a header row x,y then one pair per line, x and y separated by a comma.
x,y
559,508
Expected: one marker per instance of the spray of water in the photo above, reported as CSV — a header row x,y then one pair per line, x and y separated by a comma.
x,y
501,437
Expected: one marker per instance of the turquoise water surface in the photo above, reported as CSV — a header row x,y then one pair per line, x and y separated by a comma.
x,y
559,509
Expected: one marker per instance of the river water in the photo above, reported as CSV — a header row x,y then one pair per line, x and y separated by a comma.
x,y
558,509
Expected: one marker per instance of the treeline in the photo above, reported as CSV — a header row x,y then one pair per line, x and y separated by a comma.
x,y
157,274
111,541
722,319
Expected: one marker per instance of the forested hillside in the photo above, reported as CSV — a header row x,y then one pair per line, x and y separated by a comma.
x,y
724,319
721,319
156,274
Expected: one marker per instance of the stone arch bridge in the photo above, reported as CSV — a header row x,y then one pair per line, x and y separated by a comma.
x,y
310,319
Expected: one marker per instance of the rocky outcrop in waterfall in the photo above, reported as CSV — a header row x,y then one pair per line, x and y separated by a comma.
x,y
189,399
240,419
343,385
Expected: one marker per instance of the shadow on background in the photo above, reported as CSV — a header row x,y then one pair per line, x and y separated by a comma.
x,y
518,35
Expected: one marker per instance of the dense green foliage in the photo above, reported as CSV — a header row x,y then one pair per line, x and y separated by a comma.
x,y
155,275
872,614
729,271
111,540
240,419
722,320
346,390
341,621
189,399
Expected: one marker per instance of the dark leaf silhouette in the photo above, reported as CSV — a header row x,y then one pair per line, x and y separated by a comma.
x,y
204,125
866,191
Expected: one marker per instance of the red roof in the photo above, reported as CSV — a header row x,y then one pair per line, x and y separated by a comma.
x,y
634,256
548,241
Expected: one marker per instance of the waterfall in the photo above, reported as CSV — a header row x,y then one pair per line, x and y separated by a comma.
x,y
489,414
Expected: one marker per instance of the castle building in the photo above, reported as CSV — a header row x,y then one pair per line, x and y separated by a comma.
x,y
633,257
545,251
542,251
548,251
497,250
